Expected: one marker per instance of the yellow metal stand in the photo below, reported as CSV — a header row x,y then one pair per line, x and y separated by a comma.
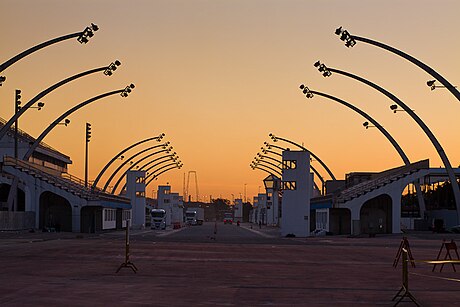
x,y
404,291
127,263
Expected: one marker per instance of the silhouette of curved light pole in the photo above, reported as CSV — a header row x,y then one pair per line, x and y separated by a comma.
x,y
82,37
135,164
431,84
114,173
269,146
418,120
268,167
276,138
178,166
260,167
267,157
29,104
257,161
157,138
309,94
62,117
153,166
345,36
265,151
323,182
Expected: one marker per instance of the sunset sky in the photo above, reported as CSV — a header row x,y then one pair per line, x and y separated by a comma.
x,y
218,76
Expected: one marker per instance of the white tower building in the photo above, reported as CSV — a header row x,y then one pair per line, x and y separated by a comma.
x,y
296,186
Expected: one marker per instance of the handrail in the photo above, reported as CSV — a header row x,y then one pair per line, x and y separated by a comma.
x,y
28,136
73,183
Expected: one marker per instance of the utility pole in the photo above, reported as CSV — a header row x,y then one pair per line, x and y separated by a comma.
x,y
87,139
17,107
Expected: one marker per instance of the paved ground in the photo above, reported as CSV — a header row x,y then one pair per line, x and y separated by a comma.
x,y
61,269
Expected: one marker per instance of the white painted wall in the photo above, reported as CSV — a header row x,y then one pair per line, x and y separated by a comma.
x,y
296,203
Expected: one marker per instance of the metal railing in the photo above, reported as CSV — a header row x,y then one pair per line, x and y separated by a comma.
x,y
380,180
27,136
66,181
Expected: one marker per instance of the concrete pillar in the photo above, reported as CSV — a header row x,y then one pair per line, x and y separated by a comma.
x,y
396,211
135,191
296,185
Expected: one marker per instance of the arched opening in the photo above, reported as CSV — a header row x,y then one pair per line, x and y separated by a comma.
x,y
55,213
376,215
340,221
21,198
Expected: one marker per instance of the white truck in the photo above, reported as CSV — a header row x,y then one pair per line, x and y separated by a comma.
x,y
158,219
194,216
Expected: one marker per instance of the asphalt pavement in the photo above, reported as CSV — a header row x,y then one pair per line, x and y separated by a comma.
x,y
233,266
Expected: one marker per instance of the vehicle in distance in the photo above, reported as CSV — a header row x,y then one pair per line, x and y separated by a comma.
x,y
158,219
228,218
194,216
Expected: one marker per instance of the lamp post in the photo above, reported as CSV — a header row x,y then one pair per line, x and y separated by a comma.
x,y
157,138
310,94
431,84
178,166
17,107
255,161
87,140
276,138
275,171
82,37
153,172
164,145
321,178
260,167
417,119
142,167
29,104
58,120
351,41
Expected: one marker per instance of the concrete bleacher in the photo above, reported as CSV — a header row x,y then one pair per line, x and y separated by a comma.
x,y
379,180
65,182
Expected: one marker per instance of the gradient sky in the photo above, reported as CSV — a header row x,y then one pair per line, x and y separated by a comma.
x,y
218,76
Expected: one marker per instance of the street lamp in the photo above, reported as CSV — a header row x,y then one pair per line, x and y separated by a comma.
x,y
62,117
82,37
29,104
422,125
134,164
366,124
432,86
260,167
17,108
346,37
406,56
155,177
111,68
322,69
65,122
277,138
165,159
157,138
127,90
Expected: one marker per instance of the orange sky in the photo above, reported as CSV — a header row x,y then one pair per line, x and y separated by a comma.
x,y
218,76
